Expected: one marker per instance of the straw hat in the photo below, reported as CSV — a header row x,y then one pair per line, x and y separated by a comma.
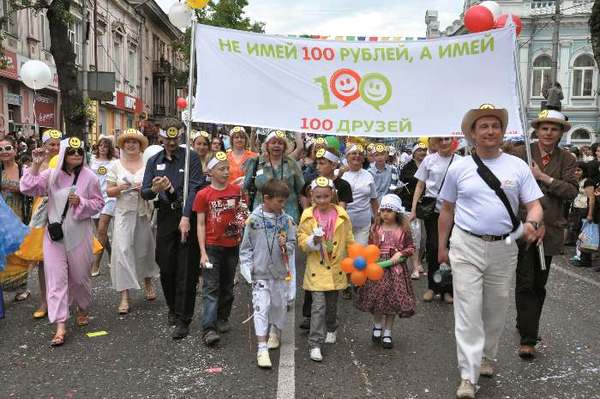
x,y
134,134
551,116
484,110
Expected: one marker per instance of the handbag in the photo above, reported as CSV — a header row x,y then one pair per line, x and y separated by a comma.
x,y
426,207
55,230
589,237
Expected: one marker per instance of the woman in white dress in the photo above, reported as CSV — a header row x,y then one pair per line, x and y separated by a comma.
x,y
133,243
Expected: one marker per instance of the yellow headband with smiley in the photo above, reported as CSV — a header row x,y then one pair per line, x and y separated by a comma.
x,y
219,157
321,182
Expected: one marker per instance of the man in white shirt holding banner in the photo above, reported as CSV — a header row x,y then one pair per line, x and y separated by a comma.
x,y
481,198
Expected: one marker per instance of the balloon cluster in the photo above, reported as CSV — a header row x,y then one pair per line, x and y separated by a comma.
x,y
487,15
361,264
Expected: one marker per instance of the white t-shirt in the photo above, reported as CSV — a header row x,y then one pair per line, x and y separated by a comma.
x,y
363,190
477,207
431,172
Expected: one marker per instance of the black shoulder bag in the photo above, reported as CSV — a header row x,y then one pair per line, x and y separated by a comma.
x,y
426,205
252,188
492,181
55,230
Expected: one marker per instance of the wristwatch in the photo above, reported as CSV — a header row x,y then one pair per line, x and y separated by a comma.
x,y
536,225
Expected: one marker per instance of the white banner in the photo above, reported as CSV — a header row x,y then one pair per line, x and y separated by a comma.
x,y
376,89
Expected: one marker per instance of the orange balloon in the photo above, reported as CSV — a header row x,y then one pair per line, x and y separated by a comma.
x,y
372,253
358,278
355,250
348,265
374,272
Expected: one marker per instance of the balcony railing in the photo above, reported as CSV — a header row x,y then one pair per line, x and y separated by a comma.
x,y
159,110
162,67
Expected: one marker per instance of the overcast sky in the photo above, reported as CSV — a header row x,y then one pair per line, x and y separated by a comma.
x,y
348,17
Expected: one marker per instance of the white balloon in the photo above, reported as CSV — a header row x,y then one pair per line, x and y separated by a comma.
x,y
151,151
493,7
36,74
180,15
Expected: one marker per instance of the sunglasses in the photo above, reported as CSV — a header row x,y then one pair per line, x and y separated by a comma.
x,y
74,151
6,148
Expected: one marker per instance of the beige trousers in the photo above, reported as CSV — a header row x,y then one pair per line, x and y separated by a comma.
x,y
482,274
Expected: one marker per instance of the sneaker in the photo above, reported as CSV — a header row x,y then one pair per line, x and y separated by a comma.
x,y
466,390
223,326
211,337
315,354
574,259
448,298
527,352
273,342
181,331
305,325
330,338
263,359
428,296
487,368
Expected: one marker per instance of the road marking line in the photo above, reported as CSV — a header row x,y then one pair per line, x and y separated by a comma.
x,y
286,380
575,275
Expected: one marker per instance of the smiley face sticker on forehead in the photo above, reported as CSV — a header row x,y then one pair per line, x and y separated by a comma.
x,y
172,132
321,153
221,156
380,148
74,142
322,181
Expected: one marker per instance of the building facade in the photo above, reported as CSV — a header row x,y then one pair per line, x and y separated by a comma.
x,y
132,39
577,69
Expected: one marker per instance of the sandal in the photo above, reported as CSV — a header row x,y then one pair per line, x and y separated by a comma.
x,y
58,339
150,292
374,338
22,296
83,319
386,342
40,313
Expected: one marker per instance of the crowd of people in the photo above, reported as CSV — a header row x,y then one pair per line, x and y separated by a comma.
x,y
264,202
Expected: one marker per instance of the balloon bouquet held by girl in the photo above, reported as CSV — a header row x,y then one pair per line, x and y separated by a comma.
x,y
267,262
324,233
74,187
393,294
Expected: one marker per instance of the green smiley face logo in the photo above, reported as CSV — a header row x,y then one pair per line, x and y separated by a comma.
x,y
375,90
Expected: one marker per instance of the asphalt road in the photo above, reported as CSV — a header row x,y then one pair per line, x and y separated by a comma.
x,y
138,359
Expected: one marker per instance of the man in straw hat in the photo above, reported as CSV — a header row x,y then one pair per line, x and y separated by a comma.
x,y
554,170
483,261
177,251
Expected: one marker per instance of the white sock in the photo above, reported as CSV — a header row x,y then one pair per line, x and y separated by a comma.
x,y
387,333
262,346
377,330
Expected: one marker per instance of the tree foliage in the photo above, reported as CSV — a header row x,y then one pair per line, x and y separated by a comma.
x,y
58,13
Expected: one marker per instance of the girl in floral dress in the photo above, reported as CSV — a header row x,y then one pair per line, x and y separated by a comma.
x,y
393,294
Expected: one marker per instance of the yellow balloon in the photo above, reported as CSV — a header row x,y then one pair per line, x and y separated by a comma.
x,y
195,4
424,140
52,163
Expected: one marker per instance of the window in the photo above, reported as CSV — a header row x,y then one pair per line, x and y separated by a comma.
x,y
132,67
581,134
583,76
118,55
10,26
76,38
542,67
101,51
45,32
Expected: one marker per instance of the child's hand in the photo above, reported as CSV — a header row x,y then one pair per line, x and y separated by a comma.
x,y
397,257
282,240
203,260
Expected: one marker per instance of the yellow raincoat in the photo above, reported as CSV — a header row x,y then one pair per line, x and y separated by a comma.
x,y
325,274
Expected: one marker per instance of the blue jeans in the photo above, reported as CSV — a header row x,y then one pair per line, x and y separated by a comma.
x,y
217,287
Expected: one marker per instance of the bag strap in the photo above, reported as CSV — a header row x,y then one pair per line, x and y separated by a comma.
x,y
492,181
64,214
252,187
445,173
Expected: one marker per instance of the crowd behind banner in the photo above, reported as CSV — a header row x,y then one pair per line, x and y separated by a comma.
x,y
256,197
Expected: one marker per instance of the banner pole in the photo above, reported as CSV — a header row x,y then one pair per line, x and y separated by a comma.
x,y
522,105
188,125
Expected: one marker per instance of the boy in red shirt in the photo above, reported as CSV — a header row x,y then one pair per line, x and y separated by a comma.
x,y
219,235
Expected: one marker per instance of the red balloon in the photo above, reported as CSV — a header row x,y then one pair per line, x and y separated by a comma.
x,y
503,19
479,19
374,272
358,278
181,103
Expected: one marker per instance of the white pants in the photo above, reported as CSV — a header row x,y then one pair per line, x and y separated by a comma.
x,y
270,299
361,234
482,275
